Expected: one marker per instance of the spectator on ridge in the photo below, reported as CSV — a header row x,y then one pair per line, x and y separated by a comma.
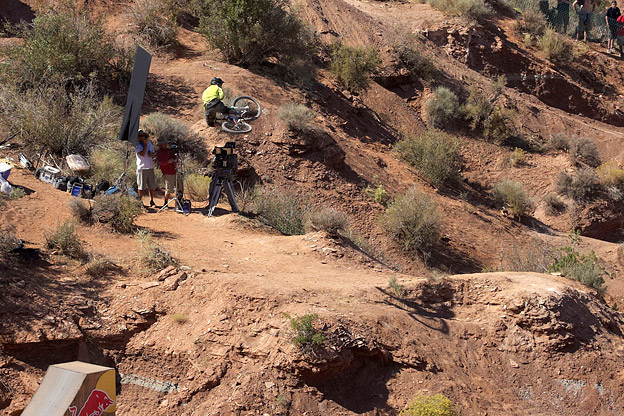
x,y
146,179
611,17
562,17
583,8
620,34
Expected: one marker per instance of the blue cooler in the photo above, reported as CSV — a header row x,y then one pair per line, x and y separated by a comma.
x,y
5,170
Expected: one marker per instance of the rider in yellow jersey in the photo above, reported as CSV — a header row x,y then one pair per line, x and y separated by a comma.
x,y
212,97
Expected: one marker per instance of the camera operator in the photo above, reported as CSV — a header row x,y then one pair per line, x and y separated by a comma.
x,y
166,157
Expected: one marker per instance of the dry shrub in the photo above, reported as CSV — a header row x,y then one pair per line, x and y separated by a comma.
x,y
487,116
442,108
434,153
511,194
108,162
413,221
81,210
281,210
297,117
536,256
584,149
155,21
64,241
559,141
556,47
119,211
197,187
164,127
179,318
54,119
353,66
554,205
9,242
531,22
610,174
471,9
99,265
153,256
329,220
583,185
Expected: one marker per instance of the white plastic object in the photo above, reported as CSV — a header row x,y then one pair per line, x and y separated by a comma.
x,y
77,163
5,186
5,170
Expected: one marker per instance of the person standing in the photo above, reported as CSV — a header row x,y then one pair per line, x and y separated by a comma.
x,y
146,179
167,163
212,97
611,17
582,8
562,19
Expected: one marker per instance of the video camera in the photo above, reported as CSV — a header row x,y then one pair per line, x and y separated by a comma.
x,y
225,158
174,149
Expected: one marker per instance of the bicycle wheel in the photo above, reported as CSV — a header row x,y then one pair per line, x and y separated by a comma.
x,y
236,128
250,105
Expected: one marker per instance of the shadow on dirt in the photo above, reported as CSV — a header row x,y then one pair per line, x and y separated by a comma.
x,y
15,11
169,96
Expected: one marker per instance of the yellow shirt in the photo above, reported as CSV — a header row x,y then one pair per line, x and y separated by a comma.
x,y
212,92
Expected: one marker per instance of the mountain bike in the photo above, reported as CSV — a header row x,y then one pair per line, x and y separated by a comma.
x,y
243,109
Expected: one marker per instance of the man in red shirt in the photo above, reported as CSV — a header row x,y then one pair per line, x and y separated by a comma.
x,y
620,33
167,162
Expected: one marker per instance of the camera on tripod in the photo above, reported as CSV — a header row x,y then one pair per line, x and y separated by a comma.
x,y
225,158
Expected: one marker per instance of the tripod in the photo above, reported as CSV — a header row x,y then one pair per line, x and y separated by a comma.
x,y
221,181
176,196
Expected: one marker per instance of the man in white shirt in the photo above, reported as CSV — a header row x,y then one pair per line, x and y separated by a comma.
x,y
146,179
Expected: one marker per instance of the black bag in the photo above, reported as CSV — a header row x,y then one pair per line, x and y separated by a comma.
x,y
60,183
102,186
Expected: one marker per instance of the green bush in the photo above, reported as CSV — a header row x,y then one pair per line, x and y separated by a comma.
x,y
304,333
54,119
610,174
486,116
436,405
472,9
414,60
249,31
585,268
554,205
413,221
377,193
197,187
64,241
297,117
353,66
583,185
511,194
395,287
119,211
442,108
516,157
584,149
153,256
62,45
329,220
155,21
281,210
434,153
164,127
556,47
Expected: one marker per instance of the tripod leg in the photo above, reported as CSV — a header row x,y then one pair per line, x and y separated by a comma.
x,y
229,191
214,196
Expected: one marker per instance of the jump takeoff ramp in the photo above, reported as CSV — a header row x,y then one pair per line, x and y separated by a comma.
x,y
74,389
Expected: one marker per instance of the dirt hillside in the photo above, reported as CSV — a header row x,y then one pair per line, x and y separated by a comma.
x,y
213,337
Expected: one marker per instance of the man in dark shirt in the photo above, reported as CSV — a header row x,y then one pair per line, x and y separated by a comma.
x,y
611,17
166,161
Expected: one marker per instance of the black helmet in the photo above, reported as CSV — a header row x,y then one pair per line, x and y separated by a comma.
x,y
216,81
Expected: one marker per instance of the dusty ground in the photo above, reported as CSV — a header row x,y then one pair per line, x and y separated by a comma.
x,y
496,344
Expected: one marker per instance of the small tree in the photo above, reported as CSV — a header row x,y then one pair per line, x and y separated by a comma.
x,y
249,31
354,65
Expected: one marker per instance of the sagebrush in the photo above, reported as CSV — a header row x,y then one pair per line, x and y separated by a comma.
x,y
442,108
512,195
153,256
353,65
582,185
64,241
297,117
413,221
155,21
281,210
434,153
329,220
